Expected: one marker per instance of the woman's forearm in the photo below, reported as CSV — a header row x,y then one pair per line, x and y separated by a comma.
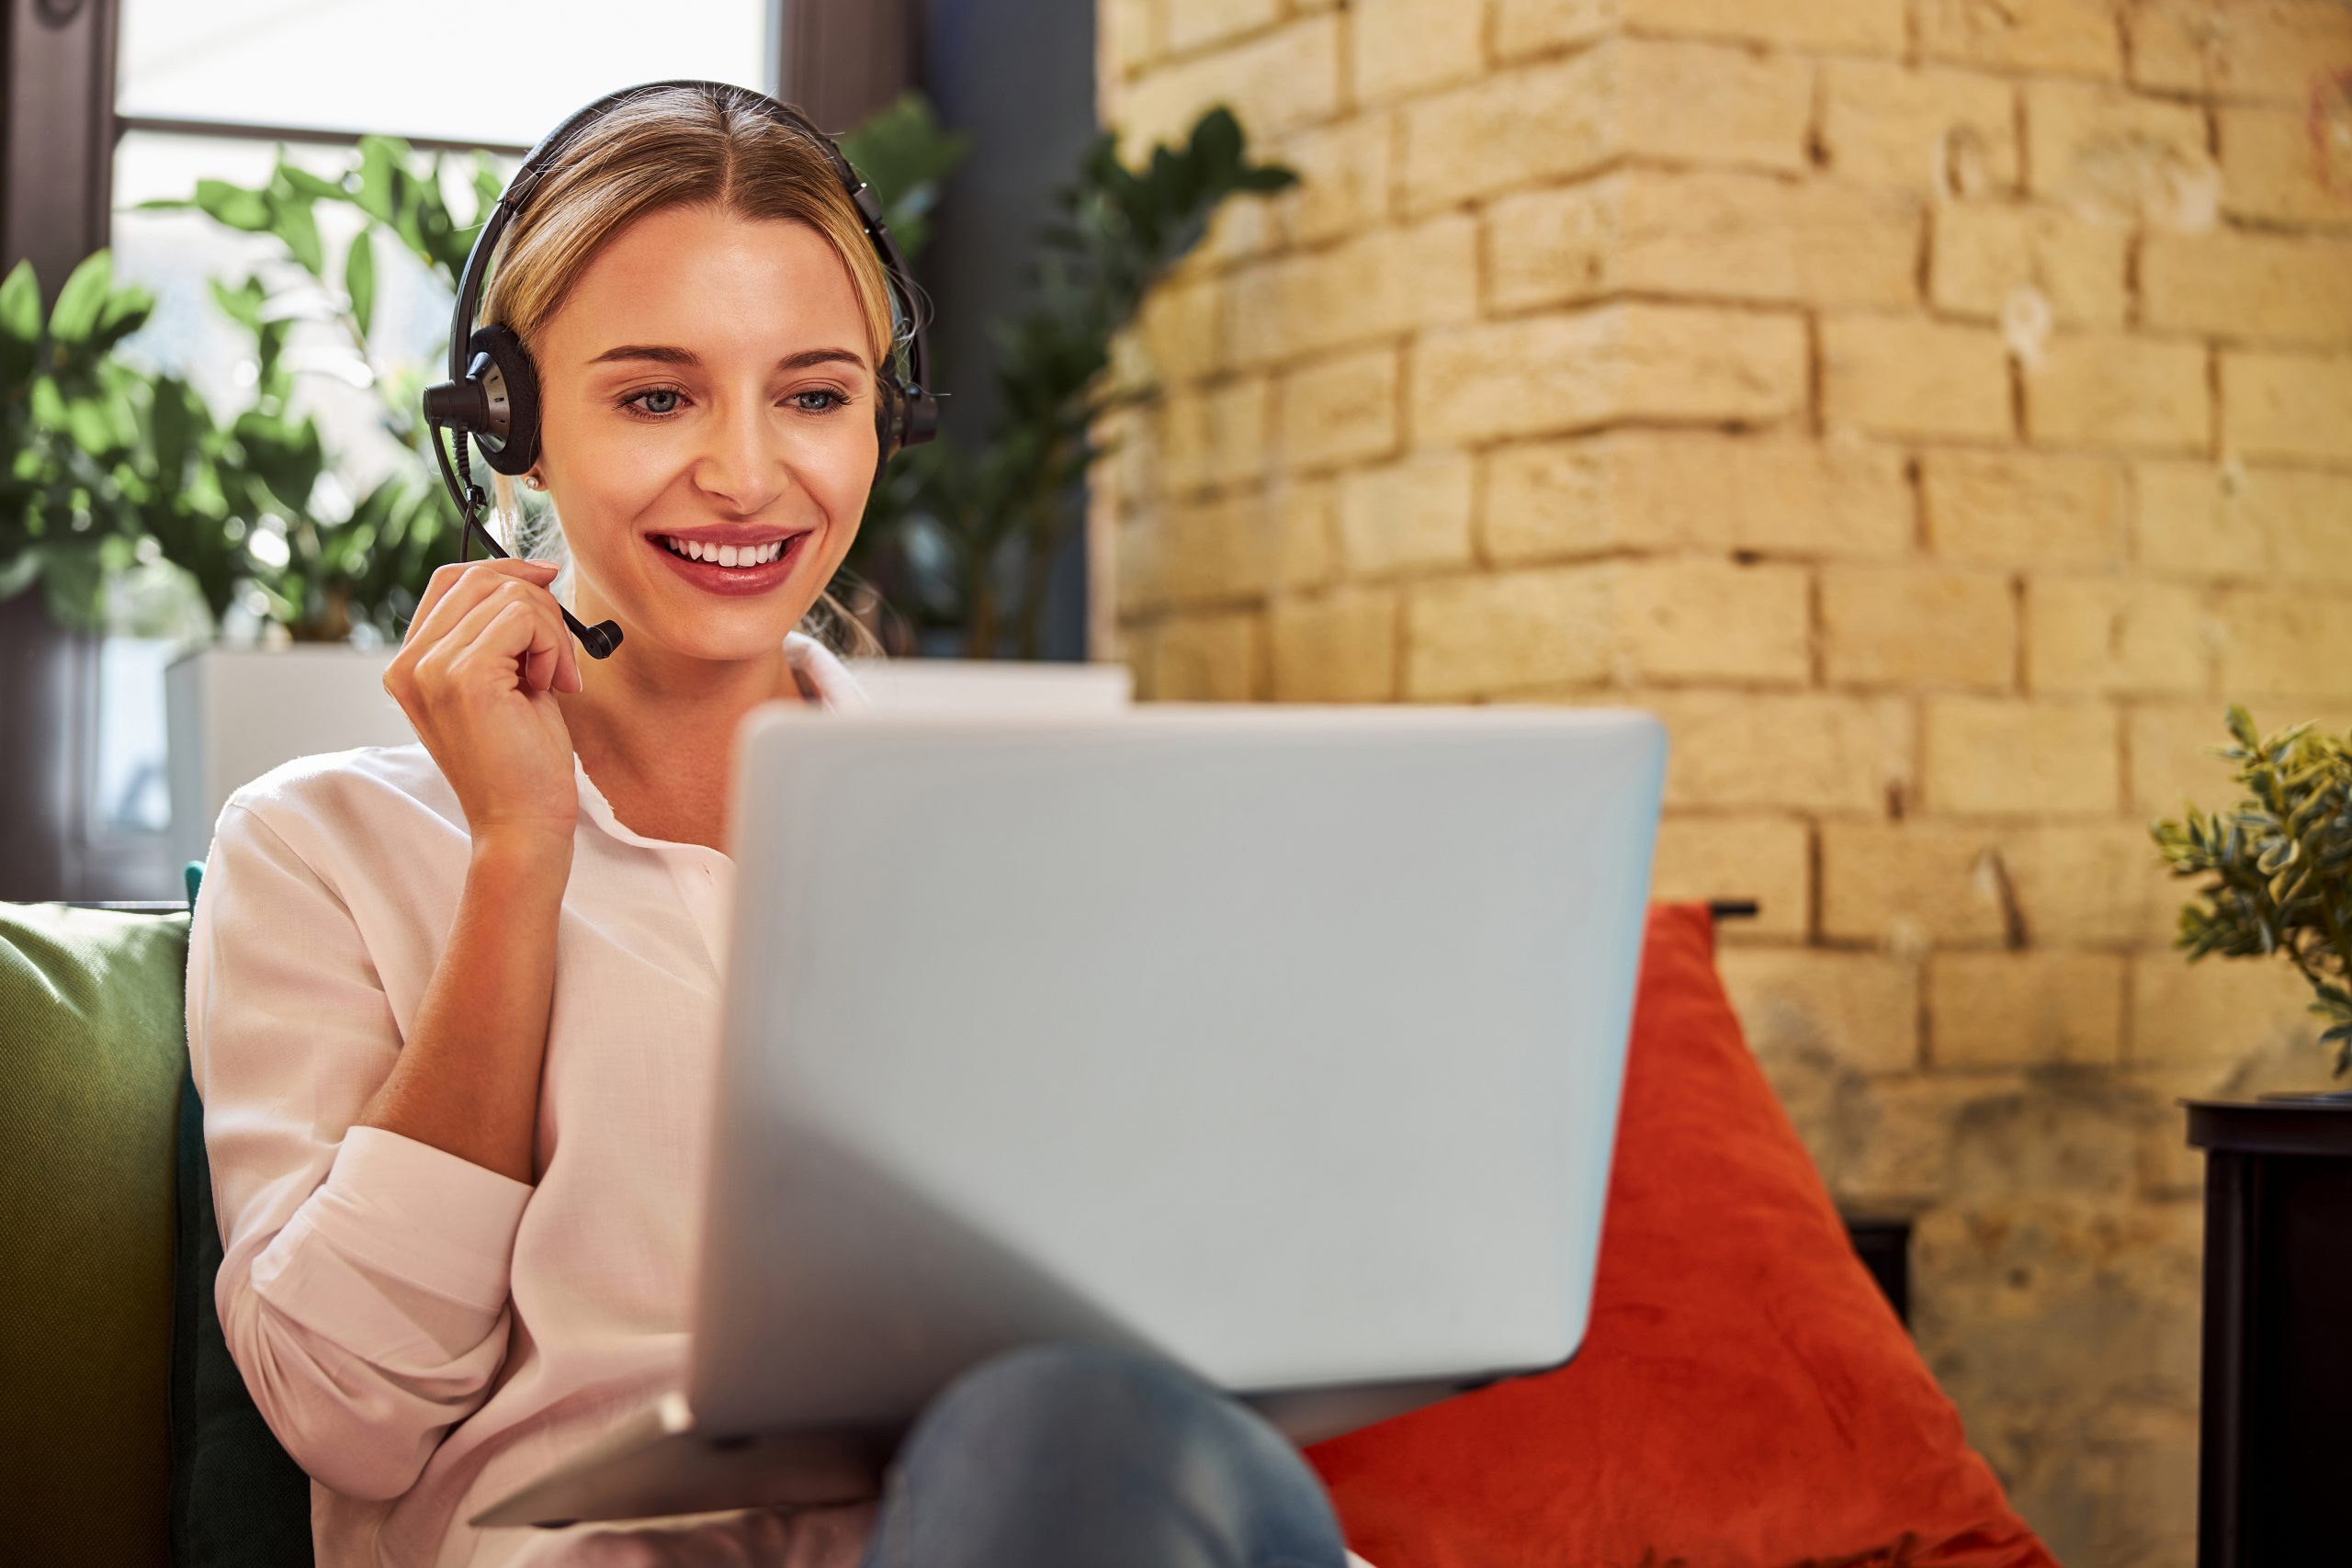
x,y
467,1077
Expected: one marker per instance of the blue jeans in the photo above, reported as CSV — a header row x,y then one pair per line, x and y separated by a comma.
x,y
1072,1456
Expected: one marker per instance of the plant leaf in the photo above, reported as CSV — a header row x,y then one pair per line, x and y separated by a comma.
x,y
359,279
83,297
234,205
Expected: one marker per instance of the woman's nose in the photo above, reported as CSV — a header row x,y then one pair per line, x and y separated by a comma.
x,y
742,459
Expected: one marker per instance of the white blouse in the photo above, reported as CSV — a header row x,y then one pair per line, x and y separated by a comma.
x,y
424,1334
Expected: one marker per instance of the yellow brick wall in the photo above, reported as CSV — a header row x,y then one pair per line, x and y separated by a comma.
x,y
1937,412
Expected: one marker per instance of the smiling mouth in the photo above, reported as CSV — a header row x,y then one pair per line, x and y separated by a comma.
x,y
756,567
728,556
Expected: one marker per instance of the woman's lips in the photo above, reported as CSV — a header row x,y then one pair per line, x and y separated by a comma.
x,y
732,580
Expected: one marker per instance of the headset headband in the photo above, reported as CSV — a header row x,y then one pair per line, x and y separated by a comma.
x,y
535,167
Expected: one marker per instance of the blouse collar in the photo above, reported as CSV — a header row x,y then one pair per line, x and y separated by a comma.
x,y
824,681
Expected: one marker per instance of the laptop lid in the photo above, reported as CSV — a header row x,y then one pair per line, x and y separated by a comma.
x,y
1286,1041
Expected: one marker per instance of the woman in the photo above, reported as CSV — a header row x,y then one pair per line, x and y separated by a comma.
x,y
452,1006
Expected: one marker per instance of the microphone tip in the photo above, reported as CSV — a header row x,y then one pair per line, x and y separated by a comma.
x,y
603,637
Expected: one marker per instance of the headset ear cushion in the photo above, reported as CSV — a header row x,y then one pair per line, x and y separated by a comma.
x,y
513,449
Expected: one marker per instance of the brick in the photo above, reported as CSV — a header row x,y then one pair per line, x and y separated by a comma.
x,y
1860,1010
1906,376
1206,659
1307,534
2285,642
1935,131
1799,751
2092,635
1501,632
2238,49
1538,374
2279,167
1918,626
2263,524
1707,104
1274,83
2027,509
1344,172
2104,151
1135,569
2172,759
2286,405
1541,124
1129,468
1697,619
1531,125
1191,24
1911,886
1649,490
2091,883
1130,33
1916,884
2111,390
1718,233
1396,47
1407,516
1767,859
2077,37
1180,330
2015,1010
1215,550
1214,436
1376,286
2249,287
1338,647
2218,1010
1341,410
1987,756
1867,26
1986,255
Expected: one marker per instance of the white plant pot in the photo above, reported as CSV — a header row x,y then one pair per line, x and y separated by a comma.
x,y
232,713
236,712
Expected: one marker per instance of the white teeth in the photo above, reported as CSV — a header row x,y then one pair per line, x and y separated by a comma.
x,y
726,555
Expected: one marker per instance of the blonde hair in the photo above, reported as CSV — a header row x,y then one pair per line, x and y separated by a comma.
x,y
675,147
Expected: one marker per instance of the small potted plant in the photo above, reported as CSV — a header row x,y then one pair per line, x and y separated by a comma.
x,y
2278,871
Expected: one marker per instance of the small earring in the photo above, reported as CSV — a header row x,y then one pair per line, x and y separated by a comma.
x,y
533,481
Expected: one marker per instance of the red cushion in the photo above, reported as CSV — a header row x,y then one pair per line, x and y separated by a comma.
x,y
1745,1397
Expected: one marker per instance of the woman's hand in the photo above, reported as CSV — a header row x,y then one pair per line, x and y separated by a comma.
x,y
476,676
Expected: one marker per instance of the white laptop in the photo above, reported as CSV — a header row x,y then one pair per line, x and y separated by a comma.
x,y
1284,1040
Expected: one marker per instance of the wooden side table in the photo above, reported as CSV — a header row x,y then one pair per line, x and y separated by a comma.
x,y
2275,1444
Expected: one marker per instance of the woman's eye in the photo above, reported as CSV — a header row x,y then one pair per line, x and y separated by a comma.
x,y
822,393
638,400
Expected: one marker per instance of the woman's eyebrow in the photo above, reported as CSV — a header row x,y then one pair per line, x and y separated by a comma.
x,y
662,354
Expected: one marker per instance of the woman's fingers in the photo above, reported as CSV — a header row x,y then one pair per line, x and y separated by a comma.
x,y
456,587
510,624
454,598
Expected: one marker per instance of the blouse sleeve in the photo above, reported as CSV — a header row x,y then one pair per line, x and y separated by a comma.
x,y
363,1286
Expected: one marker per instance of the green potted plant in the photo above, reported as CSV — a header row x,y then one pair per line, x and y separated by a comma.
x,y
2277,1277
961,536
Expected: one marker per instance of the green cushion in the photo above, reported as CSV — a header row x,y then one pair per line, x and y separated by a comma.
x,y
238,1500
93,1047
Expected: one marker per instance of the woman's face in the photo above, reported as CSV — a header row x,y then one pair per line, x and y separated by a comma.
x,y
707,379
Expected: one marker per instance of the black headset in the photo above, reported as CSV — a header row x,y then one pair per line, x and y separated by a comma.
x,y
492,392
